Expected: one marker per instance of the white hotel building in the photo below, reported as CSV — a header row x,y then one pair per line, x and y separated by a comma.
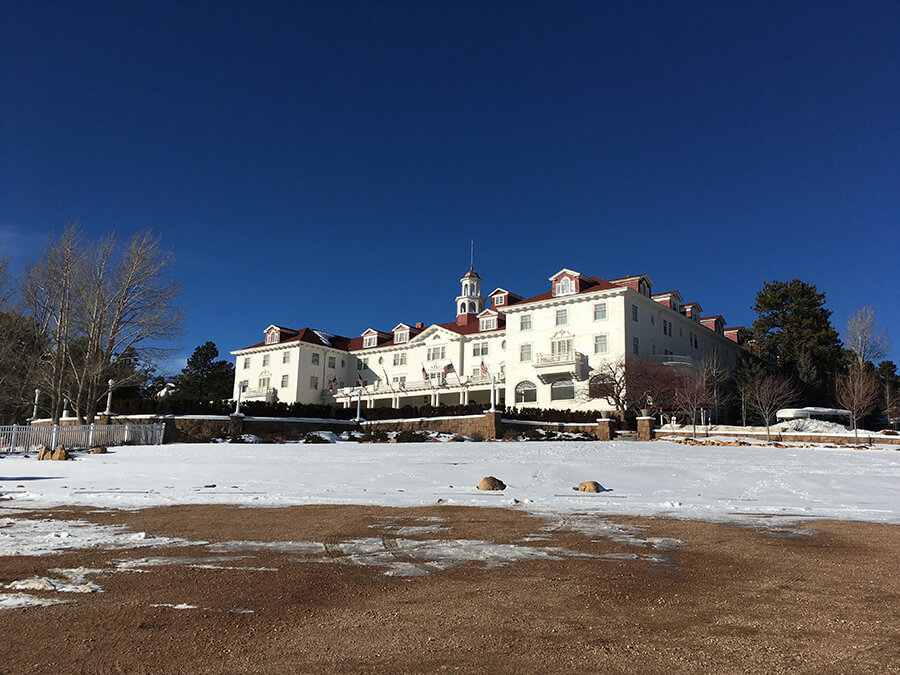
x,y
541,351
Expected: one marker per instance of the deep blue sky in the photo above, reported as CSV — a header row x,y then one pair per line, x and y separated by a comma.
x,y
326,164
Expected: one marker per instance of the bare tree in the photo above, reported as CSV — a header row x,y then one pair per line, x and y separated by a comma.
x,y
610,383
765,394
865,337
693,392
858,393
99,302
48,295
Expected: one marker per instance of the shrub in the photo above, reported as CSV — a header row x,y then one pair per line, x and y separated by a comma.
x,y
533,434
313,437
410,436
477,437
456,438
379,436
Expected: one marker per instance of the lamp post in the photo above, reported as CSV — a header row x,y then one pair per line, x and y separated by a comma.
x,y
237,403
109,397
493,394
37,394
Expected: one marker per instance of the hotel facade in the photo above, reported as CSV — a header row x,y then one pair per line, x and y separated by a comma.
x,y
536,352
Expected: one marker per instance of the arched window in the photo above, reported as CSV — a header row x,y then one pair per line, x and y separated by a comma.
x,y
526,392
471,306
462,308
562,390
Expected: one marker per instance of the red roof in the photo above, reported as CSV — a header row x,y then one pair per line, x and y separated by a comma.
x,y
588,285
311,336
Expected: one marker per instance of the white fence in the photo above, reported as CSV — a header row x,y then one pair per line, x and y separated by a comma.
x,y
17,438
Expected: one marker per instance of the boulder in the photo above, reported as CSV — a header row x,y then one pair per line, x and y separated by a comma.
x,y
98,450
491,483
44,453
60,454
589,486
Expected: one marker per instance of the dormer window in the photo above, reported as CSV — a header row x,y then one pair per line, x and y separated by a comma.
x,y
499,300
370,341
271,337
401,336
489,323
564,286
644,288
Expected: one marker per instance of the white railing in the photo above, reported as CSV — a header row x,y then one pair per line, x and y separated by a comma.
x,y
258,392
561,358
17,438
451,382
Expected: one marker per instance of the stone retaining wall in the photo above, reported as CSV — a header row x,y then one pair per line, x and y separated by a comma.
x,y
864,439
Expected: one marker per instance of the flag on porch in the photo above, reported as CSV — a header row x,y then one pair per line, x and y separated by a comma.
x,y
359,379
424,373
332,385
449,369
484,370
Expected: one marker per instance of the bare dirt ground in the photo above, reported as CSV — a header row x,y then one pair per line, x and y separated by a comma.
x,y
729,600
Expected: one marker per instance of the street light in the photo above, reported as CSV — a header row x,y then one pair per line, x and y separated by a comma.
x,y
37,393
109,397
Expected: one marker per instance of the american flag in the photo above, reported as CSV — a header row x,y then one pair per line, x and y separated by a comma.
x,y
449,369
424,373
332,385
484,370
359,379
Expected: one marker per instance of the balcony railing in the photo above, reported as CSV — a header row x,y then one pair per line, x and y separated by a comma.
x,y
259,392
560,358
417,385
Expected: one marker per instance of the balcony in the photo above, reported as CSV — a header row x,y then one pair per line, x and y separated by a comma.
x,y
559,366
267,393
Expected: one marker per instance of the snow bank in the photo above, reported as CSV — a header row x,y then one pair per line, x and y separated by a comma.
x,y
654,479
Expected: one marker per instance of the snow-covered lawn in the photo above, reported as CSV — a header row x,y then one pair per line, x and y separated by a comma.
x,y
657,478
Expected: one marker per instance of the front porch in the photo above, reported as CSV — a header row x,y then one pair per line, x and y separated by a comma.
x,y
449,392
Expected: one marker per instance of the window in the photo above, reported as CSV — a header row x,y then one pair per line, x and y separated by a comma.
x,y
264,383
644,288
667,327
315,359
362,364
525,352
400,380
562,317
246,362
600,311
284,381
265,360
400,359
526,392
401,336
499,300
331,362
489,323
243,385
564,286
525,322
601,344
370,340
436,353
634,313
635,345
271,338
561,346
695,341
562,390
313,382
286,357
480,349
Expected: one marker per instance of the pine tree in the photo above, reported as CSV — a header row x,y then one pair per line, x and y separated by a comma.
x,y
794,331
205,378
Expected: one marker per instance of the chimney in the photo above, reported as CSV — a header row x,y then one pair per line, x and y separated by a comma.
x,y
464,319
419,324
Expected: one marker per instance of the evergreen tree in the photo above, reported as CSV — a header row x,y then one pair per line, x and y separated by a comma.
x,y
794,331
205,378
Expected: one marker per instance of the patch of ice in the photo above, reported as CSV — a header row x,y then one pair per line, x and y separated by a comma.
x,y
183,605
19,600
23,536
58,585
